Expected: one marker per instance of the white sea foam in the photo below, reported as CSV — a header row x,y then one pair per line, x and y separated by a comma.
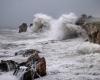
x,y
41,22
64,27
62,57
57,29
88,48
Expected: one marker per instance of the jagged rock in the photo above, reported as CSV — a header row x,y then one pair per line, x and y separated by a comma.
x,y
93,31
22,64
28,75
35,67
40,64
81,20
32,59
7,65
3,67
41,67
26,52
23,27
92,27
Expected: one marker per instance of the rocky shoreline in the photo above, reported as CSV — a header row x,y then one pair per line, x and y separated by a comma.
x,y
64,57
34,67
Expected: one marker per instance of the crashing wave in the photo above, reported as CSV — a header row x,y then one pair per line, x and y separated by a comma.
x,y
41,22
64,27
57,29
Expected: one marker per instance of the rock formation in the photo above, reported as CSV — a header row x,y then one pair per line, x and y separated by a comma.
x,y
26,52
91,26
7,65
41,67
23,27
81,20
93,31
34,67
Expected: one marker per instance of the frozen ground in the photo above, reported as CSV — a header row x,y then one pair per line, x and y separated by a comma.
x,y
71,59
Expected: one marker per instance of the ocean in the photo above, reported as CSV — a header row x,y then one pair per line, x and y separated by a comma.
x,y
67,57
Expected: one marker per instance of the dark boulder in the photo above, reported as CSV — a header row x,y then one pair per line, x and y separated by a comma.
x,y
22,64
41,67
35,67
3,67
28,75
83,19
23,27
7,65
40,64
26,52
32,59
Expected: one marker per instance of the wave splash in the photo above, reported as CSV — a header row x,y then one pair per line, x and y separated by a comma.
x,y
56,29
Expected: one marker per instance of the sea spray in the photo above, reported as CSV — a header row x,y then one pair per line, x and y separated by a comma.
x,y
29,29
64,27
21,72
55,32
56,29
41,22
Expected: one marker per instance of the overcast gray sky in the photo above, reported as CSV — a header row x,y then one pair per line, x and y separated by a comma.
x,y
14,12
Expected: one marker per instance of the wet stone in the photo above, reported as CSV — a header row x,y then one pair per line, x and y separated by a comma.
x,y
34,67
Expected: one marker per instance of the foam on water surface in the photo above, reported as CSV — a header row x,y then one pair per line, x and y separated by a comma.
x,y
65,58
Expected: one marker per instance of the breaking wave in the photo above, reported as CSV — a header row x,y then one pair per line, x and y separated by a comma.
x,y
41,22
56,29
